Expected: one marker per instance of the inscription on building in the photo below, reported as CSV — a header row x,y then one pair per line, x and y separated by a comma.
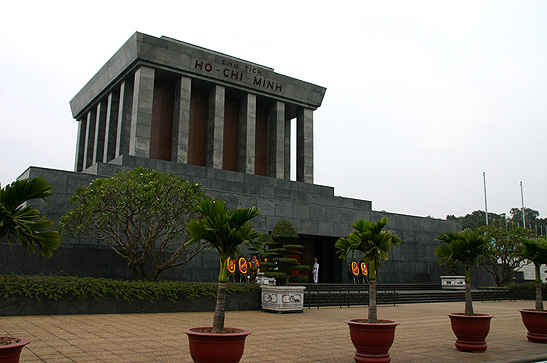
x,y
238,72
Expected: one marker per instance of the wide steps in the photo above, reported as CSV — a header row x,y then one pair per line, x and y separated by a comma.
x,y
317,295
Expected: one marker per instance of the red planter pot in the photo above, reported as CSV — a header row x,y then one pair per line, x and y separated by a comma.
x,y
372,341
216,348
470,331
10,353
536,324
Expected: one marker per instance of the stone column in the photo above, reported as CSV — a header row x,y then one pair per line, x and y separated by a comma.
x,y
141,115
247,134
111,129
124,117
304,145
80,145
100,124
181,120
215,127
89,137
276,140
287,149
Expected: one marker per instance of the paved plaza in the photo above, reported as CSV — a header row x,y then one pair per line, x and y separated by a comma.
x,y
317,335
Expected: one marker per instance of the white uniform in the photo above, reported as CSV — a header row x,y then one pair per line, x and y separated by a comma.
x,y
315,271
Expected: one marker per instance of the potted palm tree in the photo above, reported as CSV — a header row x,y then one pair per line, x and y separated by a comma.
x,y
535,320
465,248
20,222
371,337
226,231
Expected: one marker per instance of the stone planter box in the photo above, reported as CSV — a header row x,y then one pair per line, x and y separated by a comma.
x,y
262,280
453,282
283,299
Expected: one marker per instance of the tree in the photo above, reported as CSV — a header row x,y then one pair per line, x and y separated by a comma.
x,y
502,263
532,219
226,231
141,214
530,215
477,218
375,244
24,223
474,219
261,242
465,248
535,250
280,253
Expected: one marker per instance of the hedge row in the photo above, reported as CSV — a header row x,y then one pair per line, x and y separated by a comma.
x,y
55,287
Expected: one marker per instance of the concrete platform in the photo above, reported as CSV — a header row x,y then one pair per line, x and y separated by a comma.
x,y
317,335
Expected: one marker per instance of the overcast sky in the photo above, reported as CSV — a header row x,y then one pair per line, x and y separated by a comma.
x,y
422,96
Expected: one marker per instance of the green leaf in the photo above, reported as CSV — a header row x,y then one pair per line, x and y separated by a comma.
x,y
22,223
368,239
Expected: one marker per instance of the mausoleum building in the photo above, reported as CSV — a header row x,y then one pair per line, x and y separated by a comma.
x,y
164,99
225,123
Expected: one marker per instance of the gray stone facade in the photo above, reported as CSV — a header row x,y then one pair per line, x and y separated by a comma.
x,y
202,63
243,112
318,215
126,94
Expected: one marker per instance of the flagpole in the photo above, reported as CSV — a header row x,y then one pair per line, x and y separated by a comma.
x,y
522,200
485,202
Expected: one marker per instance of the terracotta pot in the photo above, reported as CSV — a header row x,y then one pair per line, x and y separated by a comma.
x,y
470,331
536,324
372,341
216,348
10,353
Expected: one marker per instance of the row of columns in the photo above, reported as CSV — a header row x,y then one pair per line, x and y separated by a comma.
x,y
103,133
122,123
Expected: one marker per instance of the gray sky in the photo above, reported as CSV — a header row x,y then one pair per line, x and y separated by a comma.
x,y
422,96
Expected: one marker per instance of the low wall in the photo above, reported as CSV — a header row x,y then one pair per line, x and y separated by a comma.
x,y
110,305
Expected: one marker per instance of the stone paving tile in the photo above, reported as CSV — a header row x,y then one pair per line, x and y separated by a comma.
x,y
317,335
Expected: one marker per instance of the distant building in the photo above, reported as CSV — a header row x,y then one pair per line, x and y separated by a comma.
x,y
529,272
222,122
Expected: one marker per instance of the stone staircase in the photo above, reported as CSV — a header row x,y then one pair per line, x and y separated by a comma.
x,y
317,295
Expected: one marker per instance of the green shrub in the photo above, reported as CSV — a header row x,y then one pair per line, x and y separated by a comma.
x,y
528,286
57,287
527,290
284,230
278,255
264,238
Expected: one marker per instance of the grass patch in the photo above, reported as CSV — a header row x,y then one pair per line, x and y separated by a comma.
x,y
55,287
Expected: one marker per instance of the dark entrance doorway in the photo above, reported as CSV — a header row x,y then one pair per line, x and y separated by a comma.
x,y
323,249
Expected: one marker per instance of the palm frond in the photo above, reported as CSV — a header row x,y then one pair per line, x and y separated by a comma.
x,y
223,229
464,247
368,239
20,222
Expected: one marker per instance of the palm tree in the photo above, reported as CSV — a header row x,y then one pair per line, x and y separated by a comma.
x,y
535,251
20,221
375,244
226,231
464,248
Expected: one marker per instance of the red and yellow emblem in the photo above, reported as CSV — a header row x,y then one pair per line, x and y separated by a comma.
x,y
242,262
364,269
354,268
231,266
